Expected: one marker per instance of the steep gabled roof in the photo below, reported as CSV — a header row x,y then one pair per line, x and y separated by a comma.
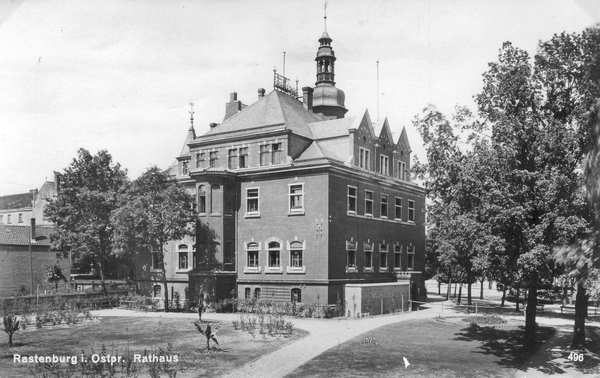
x,y
276,108
16,201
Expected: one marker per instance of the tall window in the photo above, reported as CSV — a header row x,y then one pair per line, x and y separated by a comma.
x,y
296,254
411,211
398,208
183,260
199,159
202,199
296,197
274,255
252,201
368,255
397,257
264,154
368,202
296,295
410,251
364,158
351,251
351,199
243,158
276,153
252,255
184,168
384,206
232,158
384,165
383,254
213,156
157,260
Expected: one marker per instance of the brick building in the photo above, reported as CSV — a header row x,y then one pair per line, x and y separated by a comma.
x,y
296,200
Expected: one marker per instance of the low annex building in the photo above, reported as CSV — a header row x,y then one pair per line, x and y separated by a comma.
x,y
295,200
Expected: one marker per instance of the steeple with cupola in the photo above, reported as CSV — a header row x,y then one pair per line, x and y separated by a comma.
x,y
327,100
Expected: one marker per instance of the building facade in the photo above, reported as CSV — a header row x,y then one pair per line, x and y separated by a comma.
x,y
295,200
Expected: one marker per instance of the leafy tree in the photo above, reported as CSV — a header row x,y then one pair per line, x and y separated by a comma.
x,y
88,194
154,210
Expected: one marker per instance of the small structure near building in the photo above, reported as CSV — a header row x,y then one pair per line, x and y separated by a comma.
x,y
377,298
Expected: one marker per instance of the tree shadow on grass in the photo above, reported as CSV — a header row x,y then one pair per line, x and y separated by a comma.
x,y
506,345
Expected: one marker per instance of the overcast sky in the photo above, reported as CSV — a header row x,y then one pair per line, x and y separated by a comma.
x,y
119,75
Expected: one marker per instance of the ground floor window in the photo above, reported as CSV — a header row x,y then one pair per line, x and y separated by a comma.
x,y
296,295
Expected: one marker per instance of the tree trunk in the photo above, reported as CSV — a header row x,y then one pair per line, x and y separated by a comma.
x,y
530,326
580,314
481,290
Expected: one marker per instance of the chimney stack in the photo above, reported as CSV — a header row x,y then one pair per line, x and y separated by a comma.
x,y
32,233
307,97
261,93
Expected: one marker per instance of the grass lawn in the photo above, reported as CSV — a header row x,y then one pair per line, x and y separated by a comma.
x,y
120,335
432,349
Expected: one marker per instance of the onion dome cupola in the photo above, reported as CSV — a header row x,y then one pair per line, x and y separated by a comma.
x,y
327,99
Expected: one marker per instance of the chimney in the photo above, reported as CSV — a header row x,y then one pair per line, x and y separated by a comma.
x,y
32,233
233,106
307,97
261,93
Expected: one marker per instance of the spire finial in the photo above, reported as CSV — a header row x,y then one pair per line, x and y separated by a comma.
x,y
192,114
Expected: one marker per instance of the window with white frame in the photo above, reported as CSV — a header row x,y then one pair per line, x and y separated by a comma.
x,y
351,252
352,199
296,194
202,199
383,255
368,255
199,159
296,254
364,158
411,211
252,201
384,165
384,206
243,157
368,202
274,252
212,158
397,257
276,153
252,251
232,158
398,208
265,154
410,252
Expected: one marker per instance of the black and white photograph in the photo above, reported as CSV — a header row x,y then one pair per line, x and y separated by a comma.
x,y
299,188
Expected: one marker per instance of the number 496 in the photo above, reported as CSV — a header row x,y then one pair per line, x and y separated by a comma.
x,y
576,357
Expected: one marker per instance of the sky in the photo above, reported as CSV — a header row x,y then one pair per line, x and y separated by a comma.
x,y
120,75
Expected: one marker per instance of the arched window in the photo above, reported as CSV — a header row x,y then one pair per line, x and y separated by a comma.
x,y
274,255
156,290
296,295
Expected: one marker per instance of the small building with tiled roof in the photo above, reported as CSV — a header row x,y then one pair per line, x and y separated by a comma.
x,y
295,200
24,258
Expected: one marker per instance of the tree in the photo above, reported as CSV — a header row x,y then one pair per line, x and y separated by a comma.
x,y
88,194
154,210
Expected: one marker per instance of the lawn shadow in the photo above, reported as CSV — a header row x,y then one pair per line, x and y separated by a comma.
x,y
505,344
